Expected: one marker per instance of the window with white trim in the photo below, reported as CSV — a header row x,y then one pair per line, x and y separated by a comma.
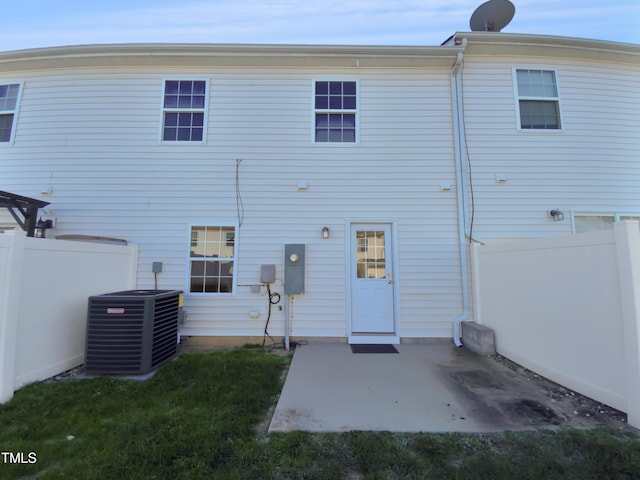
x,y
335,111
184,110
588,222
538,100
212,258
591,223
9,94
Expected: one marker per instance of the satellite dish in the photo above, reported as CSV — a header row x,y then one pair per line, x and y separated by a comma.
x,y
492,16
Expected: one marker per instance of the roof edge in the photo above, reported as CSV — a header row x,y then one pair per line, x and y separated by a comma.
x,y
500,43
341,56
145,55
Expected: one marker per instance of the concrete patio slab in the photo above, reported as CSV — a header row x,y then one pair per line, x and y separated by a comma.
x,y
432,387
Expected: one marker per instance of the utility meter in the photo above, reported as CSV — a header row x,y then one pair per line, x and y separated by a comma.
x,y
294,257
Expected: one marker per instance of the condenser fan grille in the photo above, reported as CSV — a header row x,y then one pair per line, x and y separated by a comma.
x,y
131,332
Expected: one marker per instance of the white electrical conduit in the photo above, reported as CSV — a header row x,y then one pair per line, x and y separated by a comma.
x,y
287,306
461,187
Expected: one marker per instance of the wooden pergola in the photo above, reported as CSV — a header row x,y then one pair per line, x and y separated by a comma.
x,y
23,209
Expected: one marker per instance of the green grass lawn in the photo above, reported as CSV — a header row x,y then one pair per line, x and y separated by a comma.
x,y
199,417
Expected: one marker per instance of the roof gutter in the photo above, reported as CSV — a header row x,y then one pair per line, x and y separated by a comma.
x,y
225,55
461,186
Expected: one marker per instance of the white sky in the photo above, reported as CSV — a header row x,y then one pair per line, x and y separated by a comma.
x,y
43,23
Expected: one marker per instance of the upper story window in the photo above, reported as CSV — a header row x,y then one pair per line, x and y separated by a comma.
x,y
184,110
335,111
9,94
212,258
538,100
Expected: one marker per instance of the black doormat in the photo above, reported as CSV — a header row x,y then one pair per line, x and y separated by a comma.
x,y
372,348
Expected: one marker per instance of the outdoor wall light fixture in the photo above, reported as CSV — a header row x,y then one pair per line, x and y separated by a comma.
x,y
41,227
325,232
556,214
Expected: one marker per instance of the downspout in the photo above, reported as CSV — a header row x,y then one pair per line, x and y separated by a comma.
x,y
461,186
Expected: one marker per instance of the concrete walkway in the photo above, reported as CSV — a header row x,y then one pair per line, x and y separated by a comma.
x,y
424,388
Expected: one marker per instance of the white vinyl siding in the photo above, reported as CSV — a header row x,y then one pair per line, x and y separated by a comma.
x,y
92,135
114,180
590,166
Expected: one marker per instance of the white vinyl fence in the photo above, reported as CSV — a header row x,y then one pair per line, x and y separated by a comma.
x,y
44,290
568,308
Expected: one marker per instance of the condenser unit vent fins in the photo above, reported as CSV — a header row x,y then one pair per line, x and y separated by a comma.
x,y
131,332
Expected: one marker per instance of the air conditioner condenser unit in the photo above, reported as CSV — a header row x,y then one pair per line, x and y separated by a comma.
x,y
131,332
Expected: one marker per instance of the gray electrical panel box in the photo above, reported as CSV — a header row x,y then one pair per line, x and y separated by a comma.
x,y
294,259
267,273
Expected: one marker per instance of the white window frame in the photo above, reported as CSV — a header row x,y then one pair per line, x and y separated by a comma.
x,y
607,213
234,259
519,97
204,111
314,110
15,111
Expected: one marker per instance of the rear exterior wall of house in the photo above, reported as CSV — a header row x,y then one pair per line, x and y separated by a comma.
x,y
97,142
92,138
588,168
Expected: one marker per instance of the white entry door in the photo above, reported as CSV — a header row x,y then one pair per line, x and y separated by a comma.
x,y
372,289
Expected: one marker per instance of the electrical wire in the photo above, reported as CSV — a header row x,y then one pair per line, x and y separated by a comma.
x,y
466,147
239,204
273,299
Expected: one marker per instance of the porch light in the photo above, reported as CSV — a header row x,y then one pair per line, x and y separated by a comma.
x,y
41,227
556,214
325,232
